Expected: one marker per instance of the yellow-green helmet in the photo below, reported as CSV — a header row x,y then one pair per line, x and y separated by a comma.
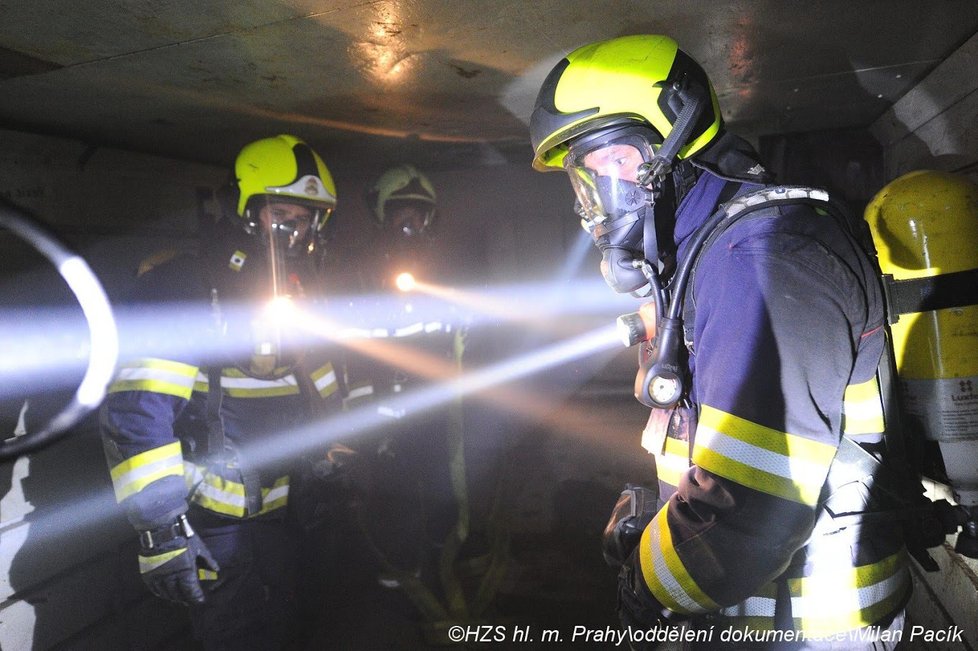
x,y
637,80
403,185
285,168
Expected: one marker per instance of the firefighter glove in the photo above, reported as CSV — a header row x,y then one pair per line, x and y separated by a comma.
x,y
634,510
637,608
172,561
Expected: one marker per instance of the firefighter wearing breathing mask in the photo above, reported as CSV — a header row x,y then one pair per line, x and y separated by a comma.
x,y
407,469
196,430
763,334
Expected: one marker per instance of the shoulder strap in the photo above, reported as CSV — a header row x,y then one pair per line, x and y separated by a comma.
x,y
215,424
724,194
216,452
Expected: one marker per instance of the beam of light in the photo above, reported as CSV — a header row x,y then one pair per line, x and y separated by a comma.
x,y
41,343
94,508
315,436
583,244
531,405
405,282
538,304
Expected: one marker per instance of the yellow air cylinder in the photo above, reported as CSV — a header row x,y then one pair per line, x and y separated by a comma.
x,y
925,226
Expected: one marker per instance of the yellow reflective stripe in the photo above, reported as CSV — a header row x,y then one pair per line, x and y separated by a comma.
x,y
248,387
851,597
664,572
150,563
674,462
228,497
206,575
325,380
275,497
832,602
221,496
862,408
773,462
239,385
201,383
137,472
157,376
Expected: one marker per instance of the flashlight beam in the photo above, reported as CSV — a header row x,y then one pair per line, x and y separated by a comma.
x,y
528,404
314,436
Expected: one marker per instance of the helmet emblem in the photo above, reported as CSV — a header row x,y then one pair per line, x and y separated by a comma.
x,y
312,187
237,260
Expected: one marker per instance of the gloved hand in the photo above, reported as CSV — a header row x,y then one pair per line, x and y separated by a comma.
x,y
634,510
169,559
638,609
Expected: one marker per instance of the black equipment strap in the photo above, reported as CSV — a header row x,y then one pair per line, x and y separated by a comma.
x,y
215,425
956,289
216,452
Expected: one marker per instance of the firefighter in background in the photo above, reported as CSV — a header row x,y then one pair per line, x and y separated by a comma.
x,y
196,431
756,418
413,469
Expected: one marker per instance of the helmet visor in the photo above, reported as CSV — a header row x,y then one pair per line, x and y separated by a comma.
x,y
608,176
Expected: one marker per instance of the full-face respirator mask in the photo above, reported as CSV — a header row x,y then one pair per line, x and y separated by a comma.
x,y
617,183
616,195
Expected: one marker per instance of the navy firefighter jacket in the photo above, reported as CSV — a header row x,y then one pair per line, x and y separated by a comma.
x,y
784,322
159,418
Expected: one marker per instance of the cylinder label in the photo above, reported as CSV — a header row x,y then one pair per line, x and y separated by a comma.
x,y
946,408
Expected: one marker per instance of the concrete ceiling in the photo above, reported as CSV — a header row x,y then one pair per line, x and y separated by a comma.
x,y
454,79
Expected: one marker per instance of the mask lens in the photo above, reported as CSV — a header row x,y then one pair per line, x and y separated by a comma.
x,y
605,181
408,218
289,226
588,203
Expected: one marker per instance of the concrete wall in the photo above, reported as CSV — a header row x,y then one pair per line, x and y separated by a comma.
x,y
935,126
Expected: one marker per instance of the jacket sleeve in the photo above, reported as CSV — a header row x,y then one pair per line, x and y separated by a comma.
x,y
143,454
168,310
778,322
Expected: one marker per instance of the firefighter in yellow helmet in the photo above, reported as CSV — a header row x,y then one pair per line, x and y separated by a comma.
x,y
760,346
196,429
404,205
410,484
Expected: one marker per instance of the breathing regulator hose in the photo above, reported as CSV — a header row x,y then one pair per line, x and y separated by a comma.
x,y
103,341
